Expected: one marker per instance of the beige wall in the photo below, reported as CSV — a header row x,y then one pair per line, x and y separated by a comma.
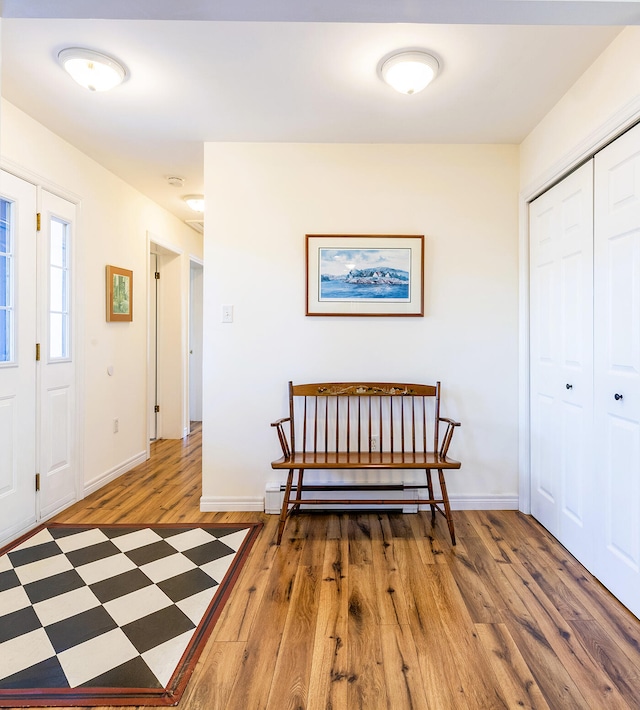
x,y
606,95
113,223
262,199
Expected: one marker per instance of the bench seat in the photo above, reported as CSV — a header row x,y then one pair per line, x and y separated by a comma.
x,y
368,426
365,459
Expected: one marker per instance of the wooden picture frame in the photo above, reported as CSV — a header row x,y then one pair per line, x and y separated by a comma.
x,y
119,294
364,275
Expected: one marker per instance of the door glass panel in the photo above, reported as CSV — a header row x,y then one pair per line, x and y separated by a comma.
x,y
59,290
6,281
56,335
58,243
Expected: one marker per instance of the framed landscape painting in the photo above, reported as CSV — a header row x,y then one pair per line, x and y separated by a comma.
x,y
119,294
365,275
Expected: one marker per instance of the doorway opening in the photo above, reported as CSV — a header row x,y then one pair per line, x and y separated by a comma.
x,y
195,342
167,344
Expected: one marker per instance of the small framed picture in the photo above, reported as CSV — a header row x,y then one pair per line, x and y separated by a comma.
x,y
365,275
119,294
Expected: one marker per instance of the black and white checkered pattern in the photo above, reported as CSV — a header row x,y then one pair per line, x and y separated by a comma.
x,y
107,606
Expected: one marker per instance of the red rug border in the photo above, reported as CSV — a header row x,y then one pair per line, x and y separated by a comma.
x,y
172,693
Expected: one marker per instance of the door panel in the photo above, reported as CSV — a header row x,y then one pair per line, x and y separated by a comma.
x,y
17,365
561,242
623,317
8,432
617,365
623,445
58,438
546,453
573,464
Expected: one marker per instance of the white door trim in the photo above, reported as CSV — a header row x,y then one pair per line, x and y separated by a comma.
x,y
166,248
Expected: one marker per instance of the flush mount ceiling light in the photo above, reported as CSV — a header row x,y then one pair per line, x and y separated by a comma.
x,y
93,70
196,202
409,71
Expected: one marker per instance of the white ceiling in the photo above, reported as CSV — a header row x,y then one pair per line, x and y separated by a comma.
x,y
228,77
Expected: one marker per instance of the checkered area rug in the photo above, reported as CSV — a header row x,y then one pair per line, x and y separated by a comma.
x,y
103,615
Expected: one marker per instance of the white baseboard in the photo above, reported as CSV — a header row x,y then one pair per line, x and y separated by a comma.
x,y
275,492
228,504
95,483
478,502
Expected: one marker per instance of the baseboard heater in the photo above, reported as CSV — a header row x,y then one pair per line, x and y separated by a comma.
x,y
274,495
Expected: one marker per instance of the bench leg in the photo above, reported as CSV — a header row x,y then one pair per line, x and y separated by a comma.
x,y
285,506
447,507
298,498
430,489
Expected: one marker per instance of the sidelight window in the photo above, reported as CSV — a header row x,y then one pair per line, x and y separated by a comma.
x,y
7,314
59,290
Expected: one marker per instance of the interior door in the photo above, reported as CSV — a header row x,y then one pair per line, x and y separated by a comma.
x,y
153,349
56,399
561,243
17,355
195,343
617,366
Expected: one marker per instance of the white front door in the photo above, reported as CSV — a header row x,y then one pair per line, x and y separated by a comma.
x,y
617,366
37,397
17,355
561,243
57,363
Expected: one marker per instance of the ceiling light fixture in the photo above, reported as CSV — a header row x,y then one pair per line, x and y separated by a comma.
x,y
409,71
196,202
93,70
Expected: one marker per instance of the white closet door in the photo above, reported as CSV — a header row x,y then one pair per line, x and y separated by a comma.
x,y
561,263
617,366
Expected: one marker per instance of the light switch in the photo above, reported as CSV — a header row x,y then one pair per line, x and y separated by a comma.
x,y
227,314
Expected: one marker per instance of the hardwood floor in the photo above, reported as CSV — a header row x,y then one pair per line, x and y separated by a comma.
x,y
378,611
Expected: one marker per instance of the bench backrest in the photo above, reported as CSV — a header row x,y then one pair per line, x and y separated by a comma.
x,y
364,416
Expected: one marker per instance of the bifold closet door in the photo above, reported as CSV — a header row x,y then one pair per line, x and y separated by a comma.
x,y
561,336
617,366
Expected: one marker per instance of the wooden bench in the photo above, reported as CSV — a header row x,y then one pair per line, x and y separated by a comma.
x,y
364,425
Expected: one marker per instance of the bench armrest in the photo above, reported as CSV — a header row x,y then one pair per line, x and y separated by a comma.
x,y
282,437
451,425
